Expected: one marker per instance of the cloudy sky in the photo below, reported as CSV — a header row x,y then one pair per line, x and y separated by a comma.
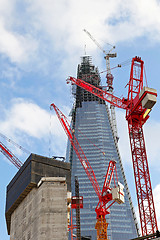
x,y
41,43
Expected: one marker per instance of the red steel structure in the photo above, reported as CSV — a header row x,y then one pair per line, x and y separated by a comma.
x,y
12,158
138,104
104,196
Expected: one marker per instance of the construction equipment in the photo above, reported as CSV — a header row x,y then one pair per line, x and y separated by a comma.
x,y
107,194
77,209
14,143
109,81
13,159
77,203
138,104
108,54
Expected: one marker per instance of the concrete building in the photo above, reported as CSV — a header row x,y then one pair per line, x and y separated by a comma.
x,y
36,203
94,131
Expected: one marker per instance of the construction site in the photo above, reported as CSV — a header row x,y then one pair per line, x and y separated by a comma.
x,y
85,195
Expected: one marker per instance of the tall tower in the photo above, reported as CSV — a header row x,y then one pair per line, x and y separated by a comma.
x,y
94,131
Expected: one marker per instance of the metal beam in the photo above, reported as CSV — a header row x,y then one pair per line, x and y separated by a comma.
x,y
157,235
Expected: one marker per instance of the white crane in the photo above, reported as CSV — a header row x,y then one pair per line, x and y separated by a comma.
x,y
109,77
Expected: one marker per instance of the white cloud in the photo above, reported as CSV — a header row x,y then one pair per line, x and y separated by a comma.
x,y
11,45
109,20
19,48
28,117
25,119
136,19
6,7
14,44
62,23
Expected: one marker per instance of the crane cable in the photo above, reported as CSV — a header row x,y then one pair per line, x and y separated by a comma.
x,y
145,77
14,143
123,64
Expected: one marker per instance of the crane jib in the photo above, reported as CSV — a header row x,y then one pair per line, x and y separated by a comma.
x,y
5,150
66,129
105,95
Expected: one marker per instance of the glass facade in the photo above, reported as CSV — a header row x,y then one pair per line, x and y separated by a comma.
x,y
93,129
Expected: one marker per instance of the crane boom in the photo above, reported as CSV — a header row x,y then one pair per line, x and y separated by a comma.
x,y
98,45
109,176
82,157
138,104
99,92
10,156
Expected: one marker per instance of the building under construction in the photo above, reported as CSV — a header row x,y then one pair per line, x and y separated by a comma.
x,y
94,131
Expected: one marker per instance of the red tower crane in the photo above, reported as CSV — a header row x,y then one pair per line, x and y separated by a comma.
x,y
138,104
107,194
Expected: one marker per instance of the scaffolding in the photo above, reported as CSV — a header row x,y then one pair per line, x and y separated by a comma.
x,y
89,73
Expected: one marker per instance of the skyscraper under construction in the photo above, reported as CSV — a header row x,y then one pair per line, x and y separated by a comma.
x,y
94,131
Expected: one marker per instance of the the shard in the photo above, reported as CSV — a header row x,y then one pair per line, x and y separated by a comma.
x,y
93,128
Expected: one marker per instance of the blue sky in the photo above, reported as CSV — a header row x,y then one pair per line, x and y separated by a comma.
x,y
41,43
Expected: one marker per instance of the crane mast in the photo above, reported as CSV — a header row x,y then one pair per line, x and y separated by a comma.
x,y
138,105
139,155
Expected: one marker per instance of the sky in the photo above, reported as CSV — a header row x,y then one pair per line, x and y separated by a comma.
x,y
41,43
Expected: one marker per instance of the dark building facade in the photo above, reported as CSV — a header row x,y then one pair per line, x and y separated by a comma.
x,y
94,131
33,170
